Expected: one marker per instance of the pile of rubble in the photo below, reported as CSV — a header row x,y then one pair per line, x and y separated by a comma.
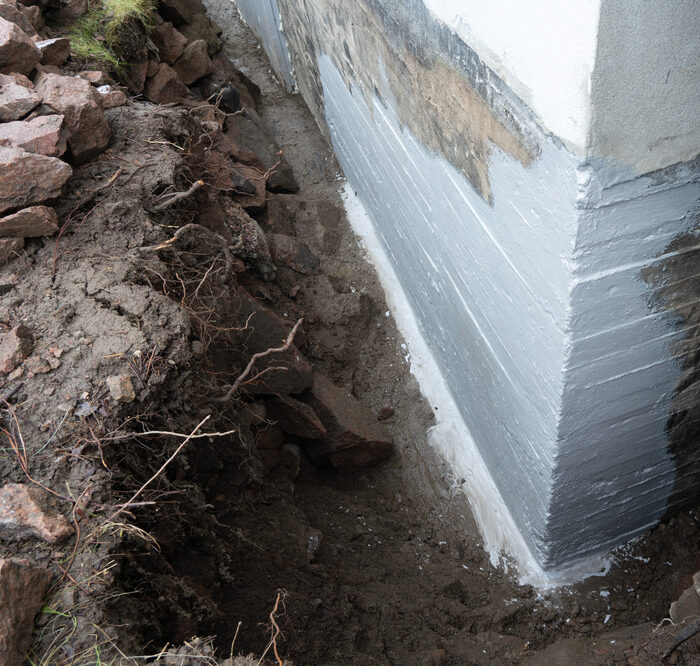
x,y
56,118
47,123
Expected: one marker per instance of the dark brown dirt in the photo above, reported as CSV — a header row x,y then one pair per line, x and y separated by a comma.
x,y
399,575
380,567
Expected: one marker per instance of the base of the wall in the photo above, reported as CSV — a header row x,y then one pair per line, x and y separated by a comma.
x,y
451,438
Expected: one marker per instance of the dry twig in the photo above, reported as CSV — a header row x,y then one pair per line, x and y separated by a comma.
x,y
161,469
20,451
178,196
131,435
255,357
76,523
189,227
275,630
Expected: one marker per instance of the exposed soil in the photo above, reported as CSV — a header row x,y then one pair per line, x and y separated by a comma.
x,y
378,567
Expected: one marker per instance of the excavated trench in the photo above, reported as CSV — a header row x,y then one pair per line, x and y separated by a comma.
x,y
380,566
226,536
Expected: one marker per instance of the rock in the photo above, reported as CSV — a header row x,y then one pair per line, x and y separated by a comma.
x,y
165,87
87,128
258,200
254,413
194,63
22,589
385,413
10,249
230,100
295,417
34,17
37,365
268,442
267,330
294,254
279,216
248,131
14,14
15,345
136,76
111,97
42,135
169,41
121,388
24,514
152,68
17,97
26,178
226,73
49,69
95,77
181,11
289,461
54,51
688,605
355,439
30,222
250,241
222,175
202,27
71,10
18,53
269,437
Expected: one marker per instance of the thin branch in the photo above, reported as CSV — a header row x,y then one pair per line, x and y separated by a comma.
x,y
131,435
178,196
76,522
160,470
22,454
255,357
189,227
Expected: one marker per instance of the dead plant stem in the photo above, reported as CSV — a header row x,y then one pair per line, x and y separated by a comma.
x,y
160,470
256,357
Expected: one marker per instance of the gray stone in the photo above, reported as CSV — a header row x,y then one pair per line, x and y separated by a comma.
x,y
27,179
24,514
17,97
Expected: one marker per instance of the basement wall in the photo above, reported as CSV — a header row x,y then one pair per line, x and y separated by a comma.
x,y
548,254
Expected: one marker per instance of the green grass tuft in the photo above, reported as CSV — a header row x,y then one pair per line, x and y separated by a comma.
x,y
98,35
87,42
121,13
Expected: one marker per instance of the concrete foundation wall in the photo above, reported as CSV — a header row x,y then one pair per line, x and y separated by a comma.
x,y
263,18
556,291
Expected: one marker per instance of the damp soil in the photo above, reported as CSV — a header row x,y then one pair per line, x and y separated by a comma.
x,y
384,566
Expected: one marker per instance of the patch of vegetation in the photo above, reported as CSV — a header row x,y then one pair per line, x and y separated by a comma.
x,y
107,33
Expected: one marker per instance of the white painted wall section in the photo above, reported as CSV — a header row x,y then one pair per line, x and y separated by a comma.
x,y
470,272
543,49
264,19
